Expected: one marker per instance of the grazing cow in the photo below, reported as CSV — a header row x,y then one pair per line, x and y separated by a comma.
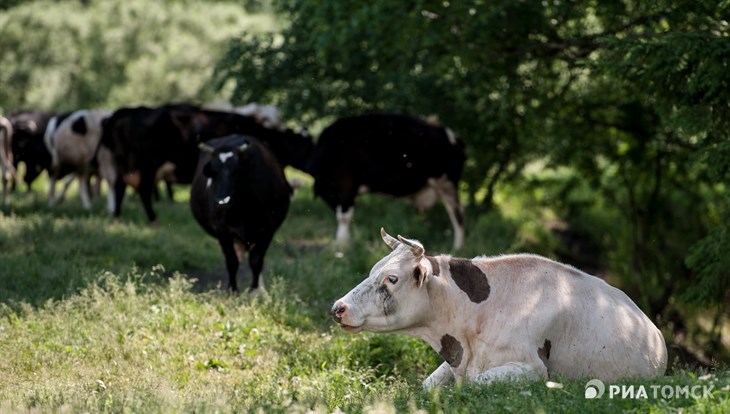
x,y
506,317
142,139
388,154
73,140
28,146
7,169
240,196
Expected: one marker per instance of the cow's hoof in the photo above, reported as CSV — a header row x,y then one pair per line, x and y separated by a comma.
x,y
259,292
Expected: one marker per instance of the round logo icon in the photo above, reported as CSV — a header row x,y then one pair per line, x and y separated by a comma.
x,y
595,389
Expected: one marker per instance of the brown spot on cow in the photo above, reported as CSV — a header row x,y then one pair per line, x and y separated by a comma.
x,y
544,352
434,265
451,350
470,279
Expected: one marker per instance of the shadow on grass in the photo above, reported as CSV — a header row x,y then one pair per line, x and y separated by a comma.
x,y
47,254
51,253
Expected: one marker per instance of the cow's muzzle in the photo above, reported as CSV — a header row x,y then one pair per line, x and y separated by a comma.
x,y
338,311
224,202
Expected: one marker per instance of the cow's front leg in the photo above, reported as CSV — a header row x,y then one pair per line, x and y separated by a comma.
x,y
450,197
233,259
146,187
344,219
512,371
256,261
443,375
84,184
120,188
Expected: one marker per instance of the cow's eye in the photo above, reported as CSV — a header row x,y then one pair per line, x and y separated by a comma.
x,y
393,279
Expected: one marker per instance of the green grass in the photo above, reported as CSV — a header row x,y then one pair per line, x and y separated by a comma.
x,y
104,316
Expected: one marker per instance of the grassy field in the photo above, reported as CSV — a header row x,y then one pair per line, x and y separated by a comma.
x,y
114,316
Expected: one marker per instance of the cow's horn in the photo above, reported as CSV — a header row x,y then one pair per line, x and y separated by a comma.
x,y
416,247
388,239
243,147
206,148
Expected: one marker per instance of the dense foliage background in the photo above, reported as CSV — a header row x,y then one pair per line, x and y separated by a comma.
x,y
66,55
604,123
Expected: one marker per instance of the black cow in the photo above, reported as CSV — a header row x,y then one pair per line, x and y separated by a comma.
x,y
142,139
289,147
28,145
396,155
240,196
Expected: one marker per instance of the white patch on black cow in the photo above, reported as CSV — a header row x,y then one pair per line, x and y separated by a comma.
x,y
224,156
209,182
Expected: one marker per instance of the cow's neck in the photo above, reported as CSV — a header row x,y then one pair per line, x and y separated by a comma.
x,y
446,326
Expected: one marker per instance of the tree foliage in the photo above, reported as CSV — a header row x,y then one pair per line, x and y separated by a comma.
x,y
67,55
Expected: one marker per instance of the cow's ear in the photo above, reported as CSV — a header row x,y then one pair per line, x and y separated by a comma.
x,y
420,272
388,239
243,147
416,247
206,148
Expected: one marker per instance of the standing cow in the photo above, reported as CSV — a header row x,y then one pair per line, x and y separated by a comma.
x,y
506,317
240,196
73,139
395,155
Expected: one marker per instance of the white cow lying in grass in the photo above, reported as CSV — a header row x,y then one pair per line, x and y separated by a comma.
x,y
508,317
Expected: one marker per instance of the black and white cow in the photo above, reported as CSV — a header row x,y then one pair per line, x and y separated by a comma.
x,y
240,196
73,140
395,155
517,316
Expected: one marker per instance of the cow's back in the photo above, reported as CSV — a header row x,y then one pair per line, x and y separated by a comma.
x,y
77,137
576,323
392,154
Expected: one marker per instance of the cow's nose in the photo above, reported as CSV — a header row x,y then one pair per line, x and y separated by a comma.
x,y
337,311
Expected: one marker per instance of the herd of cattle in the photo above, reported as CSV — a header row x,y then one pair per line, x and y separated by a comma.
x,y
234,159
509,317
